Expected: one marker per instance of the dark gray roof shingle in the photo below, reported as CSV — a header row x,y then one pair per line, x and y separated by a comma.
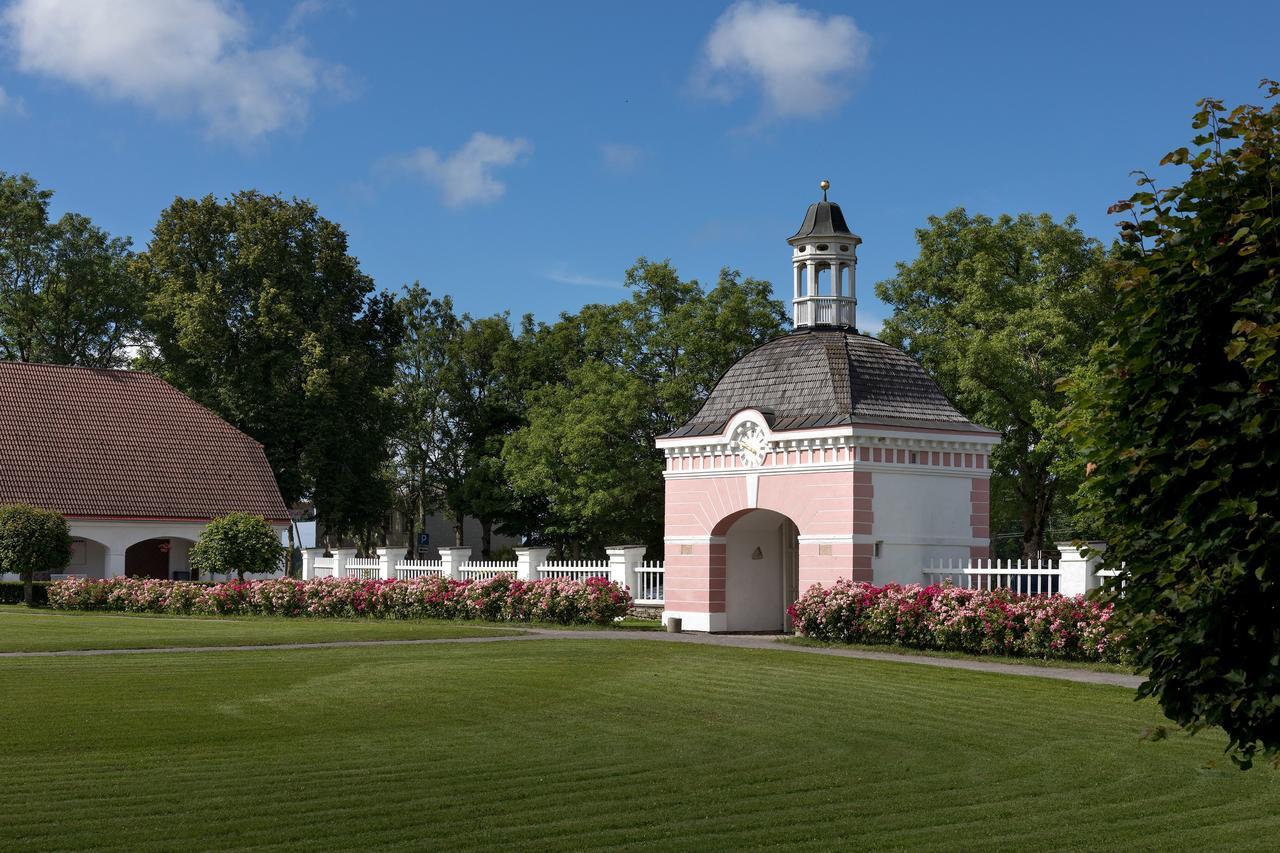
x,y
824,219
821,377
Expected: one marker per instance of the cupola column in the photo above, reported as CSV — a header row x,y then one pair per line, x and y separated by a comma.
x,y
827,243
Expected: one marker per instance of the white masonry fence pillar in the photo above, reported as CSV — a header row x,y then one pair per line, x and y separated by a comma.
x,y
388,559
623,562
309,557
1078,573
452,560
529,560
340,558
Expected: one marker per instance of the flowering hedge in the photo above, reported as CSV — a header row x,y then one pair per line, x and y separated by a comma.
x,y
949,618
503,598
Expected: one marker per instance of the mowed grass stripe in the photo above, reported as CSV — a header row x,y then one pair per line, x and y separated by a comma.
x,y
580,745
25,630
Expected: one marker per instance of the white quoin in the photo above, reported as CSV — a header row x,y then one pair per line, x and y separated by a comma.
x,y
623,562
452,560
1078,572
529,560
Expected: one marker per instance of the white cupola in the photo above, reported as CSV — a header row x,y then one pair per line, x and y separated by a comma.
x,y
824,260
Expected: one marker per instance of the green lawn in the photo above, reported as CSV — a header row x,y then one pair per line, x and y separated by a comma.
x,y
579,744
38,630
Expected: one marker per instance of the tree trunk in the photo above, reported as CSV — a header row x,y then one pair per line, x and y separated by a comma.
x,y
457,530
486,539
28,589
1034,520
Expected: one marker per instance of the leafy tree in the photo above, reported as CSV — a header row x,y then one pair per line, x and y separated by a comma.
x,y
32,540
1177,417
428,445
644,365
258,311
587,450
238,542
997,311
67,295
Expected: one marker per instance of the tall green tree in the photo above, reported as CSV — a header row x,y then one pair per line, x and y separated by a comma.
x,y
67,294
32,540
1177,416
258,311
456,404
645,365
429,445
997,311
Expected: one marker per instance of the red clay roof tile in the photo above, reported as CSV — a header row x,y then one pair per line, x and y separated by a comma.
x,y
124,444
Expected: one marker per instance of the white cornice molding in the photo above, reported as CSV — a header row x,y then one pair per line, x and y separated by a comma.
x,y
850,467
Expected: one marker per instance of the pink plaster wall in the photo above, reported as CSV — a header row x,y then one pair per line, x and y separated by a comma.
x,y
980,515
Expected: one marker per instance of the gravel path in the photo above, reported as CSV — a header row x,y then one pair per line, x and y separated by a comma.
x,y
738,641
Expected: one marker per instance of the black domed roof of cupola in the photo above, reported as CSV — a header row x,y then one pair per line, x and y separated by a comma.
x,y
820,377
824,219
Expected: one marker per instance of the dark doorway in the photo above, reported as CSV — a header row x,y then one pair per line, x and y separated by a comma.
x,y
148,559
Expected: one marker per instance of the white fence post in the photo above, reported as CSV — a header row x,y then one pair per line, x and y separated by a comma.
x,y
1079,573
529,560
340,558
623,562
309,556
388,558
452,560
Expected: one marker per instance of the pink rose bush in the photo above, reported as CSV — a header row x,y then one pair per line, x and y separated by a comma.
x,y
596,601
949,618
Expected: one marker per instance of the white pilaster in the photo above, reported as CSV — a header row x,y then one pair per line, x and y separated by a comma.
x,y
340,558
388,559
453,559
309,557
1078,573
529,560
623,562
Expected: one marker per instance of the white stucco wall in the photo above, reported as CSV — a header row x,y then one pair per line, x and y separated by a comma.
x,y
753,587
919,518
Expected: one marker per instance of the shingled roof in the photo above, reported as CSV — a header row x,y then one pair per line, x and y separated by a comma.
x,y
123,444
824,376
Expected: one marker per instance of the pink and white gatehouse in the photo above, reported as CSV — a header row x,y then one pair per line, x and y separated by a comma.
x,y
823,454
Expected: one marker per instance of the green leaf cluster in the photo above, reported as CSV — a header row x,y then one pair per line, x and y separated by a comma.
x,y
1178,417
239,543
257,310
600,385
67,293
997,311
32,540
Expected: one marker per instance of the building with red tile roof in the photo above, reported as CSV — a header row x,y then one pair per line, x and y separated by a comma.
x,y
136,466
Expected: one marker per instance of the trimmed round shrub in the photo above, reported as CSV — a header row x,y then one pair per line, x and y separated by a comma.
x,y
32,540
238,543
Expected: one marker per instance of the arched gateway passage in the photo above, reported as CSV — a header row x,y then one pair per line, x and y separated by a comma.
x,y
761,570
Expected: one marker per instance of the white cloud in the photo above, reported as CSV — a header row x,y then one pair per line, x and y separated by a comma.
x,y
564,275
467,175
175,56
620,157
10,103
801,61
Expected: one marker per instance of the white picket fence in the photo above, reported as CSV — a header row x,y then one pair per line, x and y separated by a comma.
x,y
649,589
1074,574
625,566
1029,577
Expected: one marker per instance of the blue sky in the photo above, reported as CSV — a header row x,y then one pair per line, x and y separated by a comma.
x,y
521,155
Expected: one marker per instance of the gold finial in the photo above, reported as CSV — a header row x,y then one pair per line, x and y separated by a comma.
x,y
825,185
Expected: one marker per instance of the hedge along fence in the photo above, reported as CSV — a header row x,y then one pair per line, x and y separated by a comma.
x,y
500,599
947,618
11,592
